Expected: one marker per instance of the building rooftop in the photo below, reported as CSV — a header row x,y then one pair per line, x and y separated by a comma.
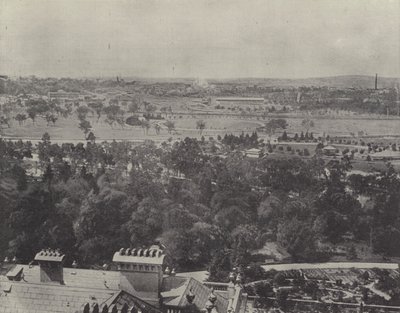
x,y
239,99
80,286
50,287
177,289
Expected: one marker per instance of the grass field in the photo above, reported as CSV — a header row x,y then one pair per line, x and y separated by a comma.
x,y
186,126
343,127
68,129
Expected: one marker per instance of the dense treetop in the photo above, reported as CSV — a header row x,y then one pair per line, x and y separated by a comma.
x,y
210,211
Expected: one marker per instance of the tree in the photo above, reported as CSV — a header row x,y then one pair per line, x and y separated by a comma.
x,y
298,238
200,125
30,220
50,118
244,239
20,118
170,126
281,298
4,120
82,112
149,107
97,107
85,126
157,128
133,107
352,253
279,279
146,126
32,113
187,157
114,114
307,124
91,137
272,125
99,224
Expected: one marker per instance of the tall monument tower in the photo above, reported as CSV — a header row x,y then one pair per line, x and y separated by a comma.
x,y
376,81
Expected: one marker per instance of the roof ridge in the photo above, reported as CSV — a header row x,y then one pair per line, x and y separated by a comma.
x,y
59,285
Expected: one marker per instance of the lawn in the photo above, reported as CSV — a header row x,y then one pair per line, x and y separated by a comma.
x,y
186,126
68,129
343,127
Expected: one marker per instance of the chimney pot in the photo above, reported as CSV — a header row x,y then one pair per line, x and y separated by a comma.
x,y
232,277
212,296
124,308
6,259
104,309
133,309
209,306
128,251
95,308
113,308
86,308
239,279
190,296
121,251
14,259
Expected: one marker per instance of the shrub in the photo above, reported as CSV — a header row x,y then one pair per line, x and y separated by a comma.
x,y
133,121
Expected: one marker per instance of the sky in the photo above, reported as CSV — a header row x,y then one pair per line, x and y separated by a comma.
x,y
199,38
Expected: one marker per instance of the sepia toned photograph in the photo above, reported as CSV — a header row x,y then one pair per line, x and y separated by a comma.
x,y
199,156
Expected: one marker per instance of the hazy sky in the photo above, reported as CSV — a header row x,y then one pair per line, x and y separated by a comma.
x,y
195,38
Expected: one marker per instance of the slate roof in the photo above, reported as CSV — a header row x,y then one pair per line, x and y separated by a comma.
x,y
80,286
176,288
27,297
91,287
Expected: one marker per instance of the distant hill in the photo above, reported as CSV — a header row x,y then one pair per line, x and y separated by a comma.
x,y
354,81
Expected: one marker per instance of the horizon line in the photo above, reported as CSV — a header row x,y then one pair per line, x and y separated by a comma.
x,y
197,78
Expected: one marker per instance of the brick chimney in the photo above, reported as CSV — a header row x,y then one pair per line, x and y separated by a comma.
x,y
51,266
141,272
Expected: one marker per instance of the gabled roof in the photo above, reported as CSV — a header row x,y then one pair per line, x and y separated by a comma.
x,y
175,289
29,297
80,286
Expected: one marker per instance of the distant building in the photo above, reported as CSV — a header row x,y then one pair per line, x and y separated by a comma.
x,y
139,281
252,153
329,150
63,95
238,101
386,155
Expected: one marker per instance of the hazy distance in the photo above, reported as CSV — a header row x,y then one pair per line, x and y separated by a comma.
x,y
206,39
